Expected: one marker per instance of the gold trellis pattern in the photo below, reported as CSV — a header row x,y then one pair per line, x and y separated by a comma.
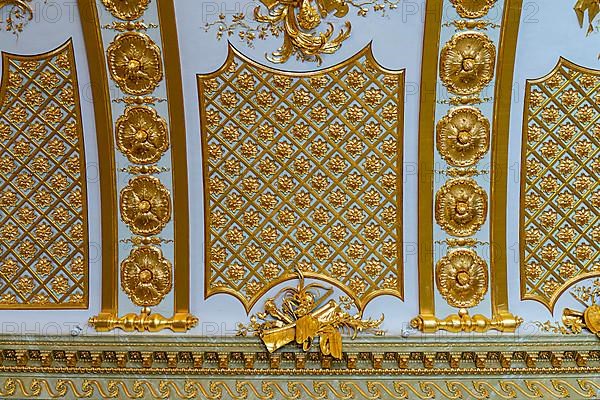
x,y
560,225
303,171
43,223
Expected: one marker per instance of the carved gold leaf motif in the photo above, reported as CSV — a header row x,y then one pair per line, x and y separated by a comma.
x,y
302,170
145,205
298,21
146,276
142,135
467,63
303,316
463,136
134,62
461,207
126,9
560,170
43,225
462,278
472,8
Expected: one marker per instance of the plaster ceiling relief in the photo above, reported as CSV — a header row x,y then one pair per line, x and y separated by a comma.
x,y
305,28
211,197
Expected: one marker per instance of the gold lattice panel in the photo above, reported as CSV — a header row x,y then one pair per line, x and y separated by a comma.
x,y
43,226
302,171
560,223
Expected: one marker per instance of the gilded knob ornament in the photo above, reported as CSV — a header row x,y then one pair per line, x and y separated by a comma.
x,y
463,136
142,135
461,207
134,62
146,276
472,8
126,9
467,63
145,205
462,278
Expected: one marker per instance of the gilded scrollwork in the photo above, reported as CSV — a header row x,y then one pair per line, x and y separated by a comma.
x,y
463,136
146,276
301,23
15,14
302,171
592,8
467,63
145,205
461,207
472,8
462,278
134,63
305,314
43,224
126,9
142,135
560,171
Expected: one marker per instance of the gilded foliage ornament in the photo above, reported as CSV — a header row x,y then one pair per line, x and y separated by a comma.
x,y
145,205
285,191
467,63
134,62
126,9
472,8
43,210
462,278
146,276
463,136
461,207
303,315
142,135
17,13
300,22
559,185
592,7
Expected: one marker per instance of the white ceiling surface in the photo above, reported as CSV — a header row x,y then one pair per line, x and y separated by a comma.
x,y
397,42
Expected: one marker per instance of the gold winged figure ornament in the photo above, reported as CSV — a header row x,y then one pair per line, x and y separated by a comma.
x,y
302,313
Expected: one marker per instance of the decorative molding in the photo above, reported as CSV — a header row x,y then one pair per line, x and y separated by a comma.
x,y
333,139
547,388
135,63
559,190
300,23
43,201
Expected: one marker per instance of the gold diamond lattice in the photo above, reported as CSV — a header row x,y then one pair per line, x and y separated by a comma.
x,y
560,223
43,226
302,170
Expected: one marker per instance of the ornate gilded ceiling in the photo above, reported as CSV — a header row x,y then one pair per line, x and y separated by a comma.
x,y
314,187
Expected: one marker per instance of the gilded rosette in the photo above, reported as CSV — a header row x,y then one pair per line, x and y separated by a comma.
x,y
472,8
463,136
467,63
145,205
146,276
462,278
461,207
134,63
142,135
126,9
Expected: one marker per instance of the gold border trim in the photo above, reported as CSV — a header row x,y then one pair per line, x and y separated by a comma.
x,y
6,57
562,62
507,49
429,70
106,150
366,51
